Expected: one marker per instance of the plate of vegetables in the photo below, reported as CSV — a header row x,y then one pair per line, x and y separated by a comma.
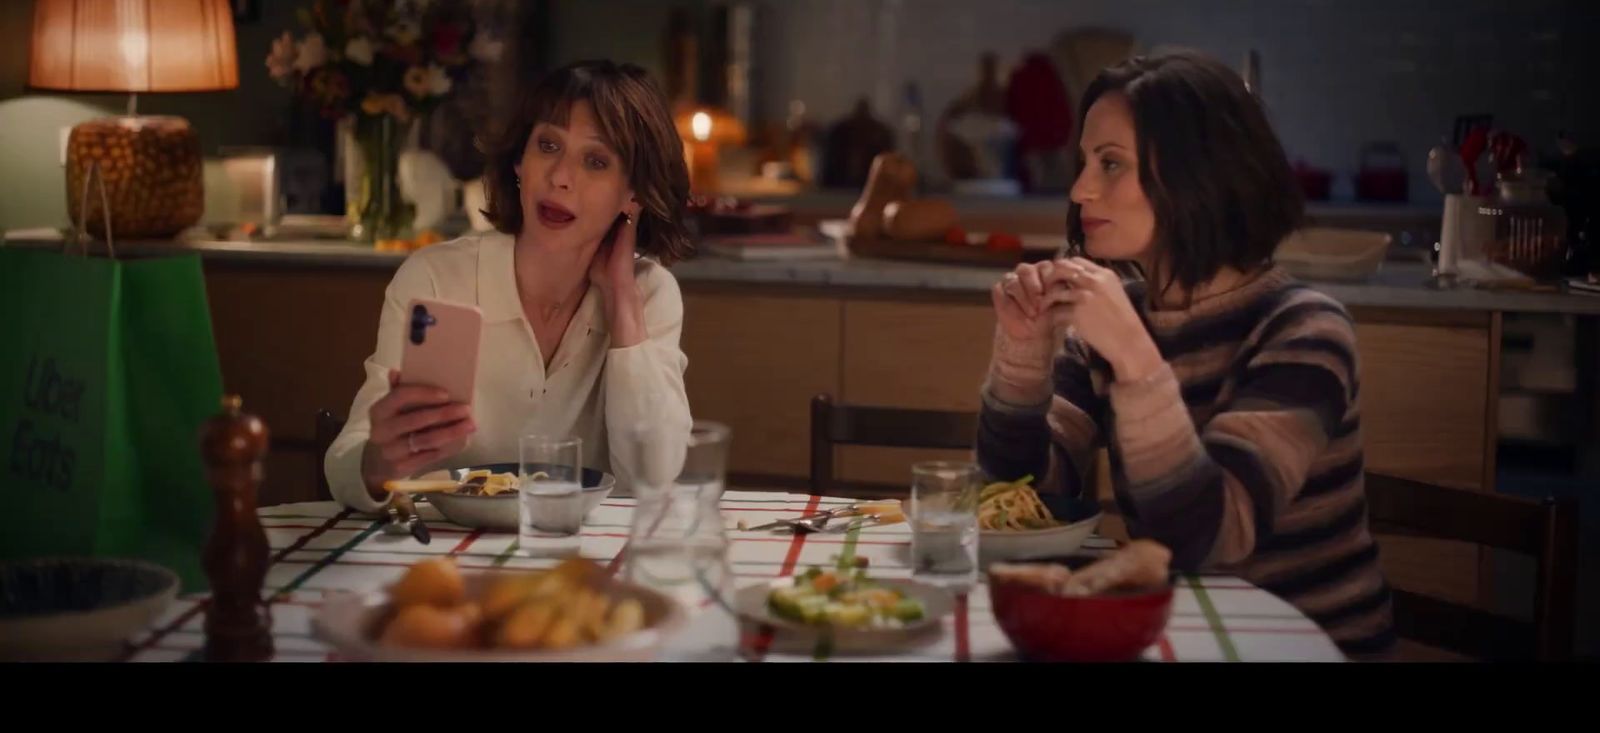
x,y
847,604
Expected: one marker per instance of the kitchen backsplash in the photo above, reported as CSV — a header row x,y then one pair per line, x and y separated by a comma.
x,y
1336,74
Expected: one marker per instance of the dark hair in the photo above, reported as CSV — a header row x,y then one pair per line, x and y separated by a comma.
x,y
634,121
1209,162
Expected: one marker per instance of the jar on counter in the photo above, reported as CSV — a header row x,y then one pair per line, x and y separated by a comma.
x,y
1530,232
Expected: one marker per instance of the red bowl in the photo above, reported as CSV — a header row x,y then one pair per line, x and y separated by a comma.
x,y
1113,627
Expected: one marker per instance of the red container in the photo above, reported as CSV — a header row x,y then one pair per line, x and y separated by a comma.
x,y
1315,184
1114,627
1382,176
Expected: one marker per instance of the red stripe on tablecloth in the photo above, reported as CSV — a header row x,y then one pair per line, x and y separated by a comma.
x,y
466,542
200,606
1237,630
763,639
356,562
1211,584
778,538
963,643
1165,646
432,528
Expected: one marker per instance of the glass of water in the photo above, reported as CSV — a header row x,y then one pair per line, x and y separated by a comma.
x,y
550,494
677,527
944,523
678,542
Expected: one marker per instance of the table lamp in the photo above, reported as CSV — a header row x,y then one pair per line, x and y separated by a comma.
x,y
149,165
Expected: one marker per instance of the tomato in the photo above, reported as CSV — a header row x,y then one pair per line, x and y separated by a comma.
x,y
1003,242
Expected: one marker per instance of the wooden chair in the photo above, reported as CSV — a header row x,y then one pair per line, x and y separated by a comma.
x,y
1546,530
328,427
833,424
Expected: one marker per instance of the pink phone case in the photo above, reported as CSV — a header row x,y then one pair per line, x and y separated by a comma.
x,y
441,346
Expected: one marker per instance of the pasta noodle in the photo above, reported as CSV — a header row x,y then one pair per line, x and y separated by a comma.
x,y
1012,506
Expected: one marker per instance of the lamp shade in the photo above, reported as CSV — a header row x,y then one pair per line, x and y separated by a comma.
x,y
133,46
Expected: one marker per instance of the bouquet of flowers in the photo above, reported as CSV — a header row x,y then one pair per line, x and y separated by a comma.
x,y
380,64
377,57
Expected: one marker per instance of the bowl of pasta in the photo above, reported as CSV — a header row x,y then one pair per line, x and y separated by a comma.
x,y
485,497
1017,523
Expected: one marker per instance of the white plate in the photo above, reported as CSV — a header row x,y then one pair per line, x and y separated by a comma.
x,y
348,623
996,545
751,603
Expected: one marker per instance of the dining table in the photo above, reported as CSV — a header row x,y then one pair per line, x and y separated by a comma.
x,y
319,549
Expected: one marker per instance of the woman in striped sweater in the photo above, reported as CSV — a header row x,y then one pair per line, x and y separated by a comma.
x,y
1224,391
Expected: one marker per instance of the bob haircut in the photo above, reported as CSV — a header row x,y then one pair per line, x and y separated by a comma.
x,y
1215,174
634,121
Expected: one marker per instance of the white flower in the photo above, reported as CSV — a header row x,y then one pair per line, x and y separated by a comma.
x,y
486,49
280,61
313,53
438,83
359,50
405,32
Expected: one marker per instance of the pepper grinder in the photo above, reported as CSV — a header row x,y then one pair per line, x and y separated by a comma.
x,y
238,626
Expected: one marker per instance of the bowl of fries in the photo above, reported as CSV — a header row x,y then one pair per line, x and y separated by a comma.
x,y
574,612
485,497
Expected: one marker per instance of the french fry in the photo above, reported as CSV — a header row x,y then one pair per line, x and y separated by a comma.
x,y
420,486
527,626
626,617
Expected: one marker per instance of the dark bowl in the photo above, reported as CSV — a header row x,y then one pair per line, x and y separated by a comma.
x,y
1110,627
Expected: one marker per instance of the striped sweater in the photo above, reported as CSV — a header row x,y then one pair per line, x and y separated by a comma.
x,y
1242,454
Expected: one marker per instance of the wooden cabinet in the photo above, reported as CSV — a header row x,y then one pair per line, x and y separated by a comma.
x,y
754,363
1428,397
910,354
292,340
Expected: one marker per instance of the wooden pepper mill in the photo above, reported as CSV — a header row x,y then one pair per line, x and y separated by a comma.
x,y
238,624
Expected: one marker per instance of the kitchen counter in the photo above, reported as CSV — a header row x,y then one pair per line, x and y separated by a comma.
x,y
1396,285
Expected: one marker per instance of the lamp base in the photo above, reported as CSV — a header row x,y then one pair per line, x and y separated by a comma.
x,y
151,170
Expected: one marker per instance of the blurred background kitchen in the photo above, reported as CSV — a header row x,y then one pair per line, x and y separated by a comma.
x,y
1425,137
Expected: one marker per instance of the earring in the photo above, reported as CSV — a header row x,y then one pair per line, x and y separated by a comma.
x,y
627,218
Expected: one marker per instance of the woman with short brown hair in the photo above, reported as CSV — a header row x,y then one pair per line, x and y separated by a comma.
x,y
580,335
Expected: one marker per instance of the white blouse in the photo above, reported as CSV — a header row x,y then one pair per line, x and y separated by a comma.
x,y
592,391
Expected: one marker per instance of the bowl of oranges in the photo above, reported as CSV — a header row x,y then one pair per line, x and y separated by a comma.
x,y
575,611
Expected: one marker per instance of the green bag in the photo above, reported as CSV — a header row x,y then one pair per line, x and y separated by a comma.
x,y
107,371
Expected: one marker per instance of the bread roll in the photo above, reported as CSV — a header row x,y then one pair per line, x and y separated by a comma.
x,y
919,219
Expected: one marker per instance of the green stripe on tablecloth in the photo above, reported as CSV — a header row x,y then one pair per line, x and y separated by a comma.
x,y
848,554
1213,619
328,559
505,554
847,557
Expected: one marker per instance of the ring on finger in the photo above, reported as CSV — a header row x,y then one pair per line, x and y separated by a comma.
x,y
411,443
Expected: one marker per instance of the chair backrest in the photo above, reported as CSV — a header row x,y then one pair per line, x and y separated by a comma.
x,y
833,424
1545,530
328,427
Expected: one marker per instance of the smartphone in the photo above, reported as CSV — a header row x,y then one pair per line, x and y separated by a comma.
x,y
441,347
